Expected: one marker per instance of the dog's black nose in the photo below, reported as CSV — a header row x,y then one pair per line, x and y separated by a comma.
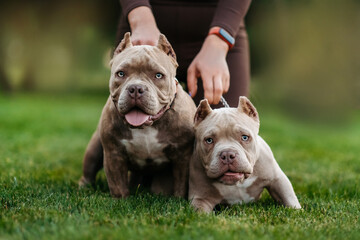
x,y
227,157
135,91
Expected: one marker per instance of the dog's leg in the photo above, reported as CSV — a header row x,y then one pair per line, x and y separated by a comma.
x,y
93,160
180,172
163,183
203,205
282,191
116,172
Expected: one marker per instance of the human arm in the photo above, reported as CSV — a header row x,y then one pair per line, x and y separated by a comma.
x,y
210,64
144,30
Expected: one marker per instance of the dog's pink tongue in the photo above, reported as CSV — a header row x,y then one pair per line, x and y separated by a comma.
x,y
233,174
136,117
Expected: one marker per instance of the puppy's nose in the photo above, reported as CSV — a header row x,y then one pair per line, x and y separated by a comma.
x,y
135,91
227,157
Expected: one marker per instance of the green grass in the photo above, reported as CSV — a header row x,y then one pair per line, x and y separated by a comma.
x,y
42,140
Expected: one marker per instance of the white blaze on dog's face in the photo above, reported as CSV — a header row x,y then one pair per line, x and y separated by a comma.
x,y
142,82
226,140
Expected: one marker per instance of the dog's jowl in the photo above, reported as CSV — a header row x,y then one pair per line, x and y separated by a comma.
x,y
146,126
231,162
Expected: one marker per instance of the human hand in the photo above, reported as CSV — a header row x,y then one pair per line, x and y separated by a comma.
x,y
144,30
210,65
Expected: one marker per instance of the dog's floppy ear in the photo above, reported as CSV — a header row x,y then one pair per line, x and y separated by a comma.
x,y
245,106
125,43
202,111
165,46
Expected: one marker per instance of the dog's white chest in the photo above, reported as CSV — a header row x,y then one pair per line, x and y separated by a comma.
x,y
144,148
236,193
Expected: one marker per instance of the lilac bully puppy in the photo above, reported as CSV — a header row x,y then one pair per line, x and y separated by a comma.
x,y
231,162
146,126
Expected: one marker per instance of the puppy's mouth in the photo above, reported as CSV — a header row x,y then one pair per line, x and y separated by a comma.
x,y
137,117
231,178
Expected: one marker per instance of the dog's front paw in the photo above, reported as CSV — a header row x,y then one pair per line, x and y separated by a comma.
x,y
83,182
116,193
295,205
202,205
180,193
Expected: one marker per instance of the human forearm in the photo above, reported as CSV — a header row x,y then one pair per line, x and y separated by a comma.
x,y
141,16
144,30
128,5
229,14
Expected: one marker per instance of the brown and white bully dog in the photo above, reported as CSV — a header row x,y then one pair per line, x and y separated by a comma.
x,y
231,162
146,126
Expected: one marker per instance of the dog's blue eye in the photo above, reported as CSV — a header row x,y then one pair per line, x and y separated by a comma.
x,y
158,75
244,138
120,74
209,140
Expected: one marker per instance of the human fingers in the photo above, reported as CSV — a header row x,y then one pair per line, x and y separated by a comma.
x,y
150,42
208,86
226,82
144,38
192,80
217,89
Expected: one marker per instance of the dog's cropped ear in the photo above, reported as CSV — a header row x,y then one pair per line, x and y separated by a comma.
x,y
245,106
165,46
202,111
125,43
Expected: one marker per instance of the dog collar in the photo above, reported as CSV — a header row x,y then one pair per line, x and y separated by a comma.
x,y
172,102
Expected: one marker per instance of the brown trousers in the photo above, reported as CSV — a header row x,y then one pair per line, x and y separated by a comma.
x,y
186,27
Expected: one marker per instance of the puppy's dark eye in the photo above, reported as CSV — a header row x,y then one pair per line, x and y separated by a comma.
x,y
159,76
245,138
120,74
209,140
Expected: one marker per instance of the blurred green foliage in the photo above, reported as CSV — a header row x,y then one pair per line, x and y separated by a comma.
x,y
57,45
305,55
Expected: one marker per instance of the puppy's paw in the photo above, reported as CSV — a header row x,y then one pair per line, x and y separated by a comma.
x,y
83,182
295,206
119,194
180,193
202,205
